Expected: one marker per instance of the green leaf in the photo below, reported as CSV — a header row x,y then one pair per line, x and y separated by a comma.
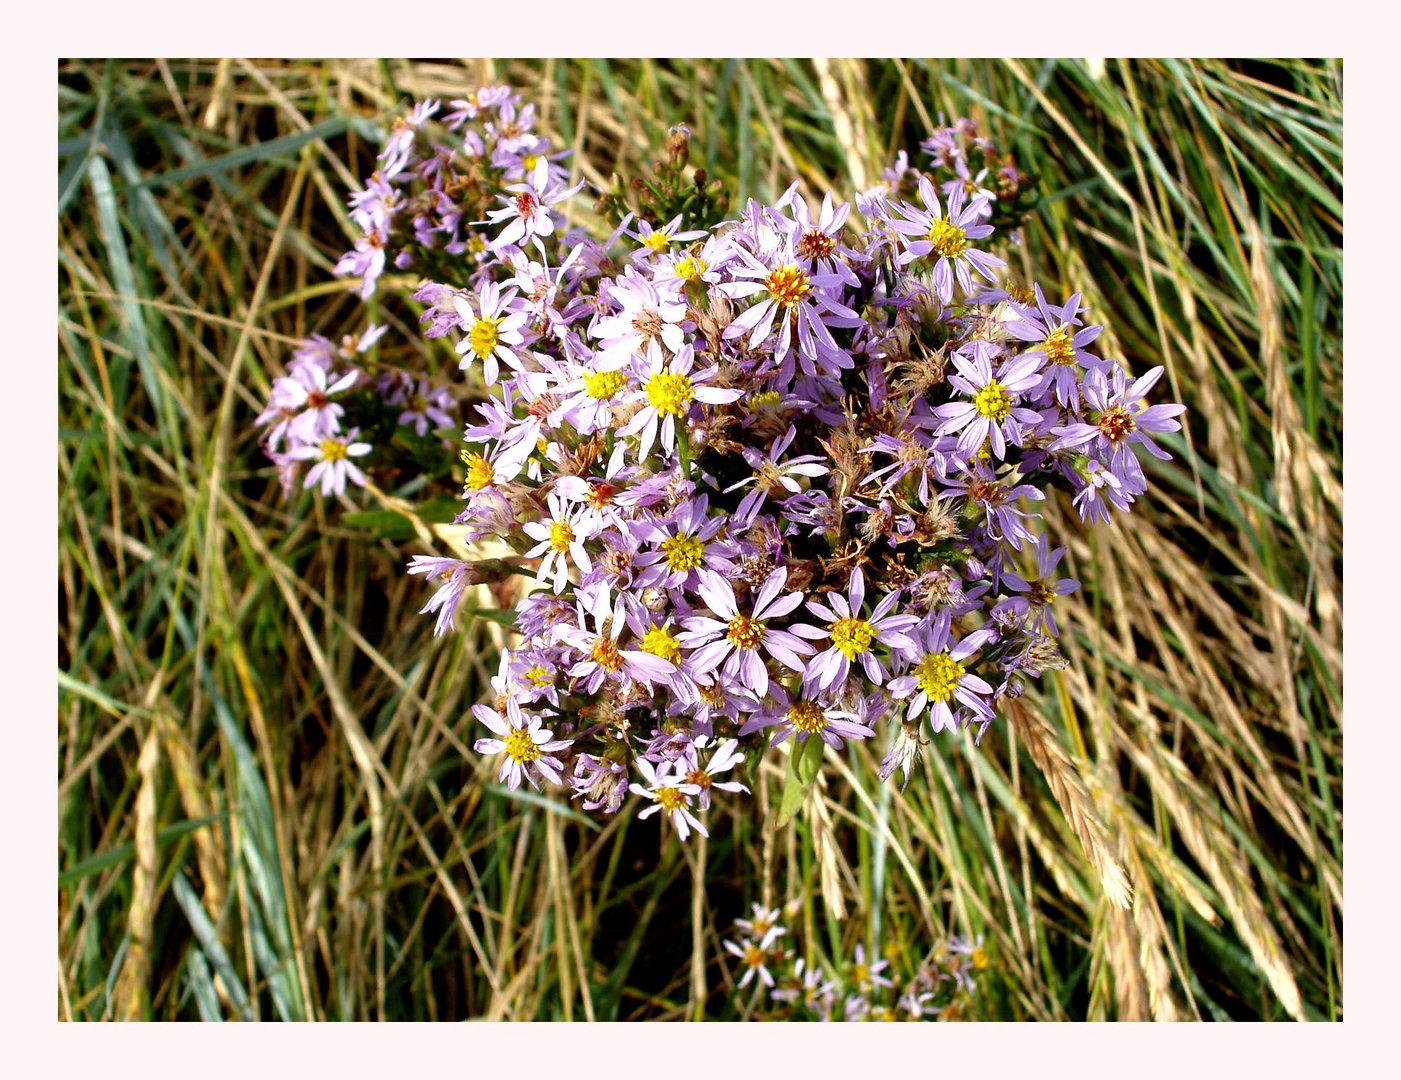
x,y
804,763
384,524
504,616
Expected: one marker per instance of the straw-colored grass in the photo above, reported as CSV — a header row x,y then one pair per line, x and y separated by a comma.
x,y
268,808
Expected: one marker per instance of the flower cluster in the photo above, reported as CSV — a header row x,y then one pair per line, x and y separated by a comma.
x,y
774,478
941,987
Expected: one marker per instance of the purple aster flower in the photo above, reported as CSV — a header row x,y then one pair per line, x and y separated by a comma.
x,y
649,318
670,389
457,577
526,746
600,781
939,678
736,639
772,476
945,237
560,541
1120,418
493,330
685,546
333,466
993,415
724,758
603,658
802,717
1035,597
851,638
796,302
670,793
527,210
424,406
1057,337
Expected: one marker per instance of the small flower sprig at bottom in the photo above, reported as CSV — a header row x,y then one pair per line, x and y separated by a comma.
x,y
943,986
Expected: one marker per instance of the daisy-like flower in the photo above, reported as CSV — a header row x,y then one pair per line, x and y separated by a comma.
x,y
307,392
794,301
997,499
1035,596
736,639
867,976
904,753
851,637
650,318
398,148
993,415
1056,335
685,545
560,541
725,757
819,243
526,746
773,477
659,241
939,679
457,577
670,389
945,238
499,465
755,955
492,329
603,658
1119,419
424,405
333,468
801,717
669,793
761,920
600,781
527,210
589,396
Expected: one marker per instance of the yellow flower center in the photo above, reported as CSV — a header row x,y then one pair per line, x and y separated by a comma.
x,y
659,641
788,284
605,654
807,717
672,799
1058,347
753,956
604,384
670,395
657,241
948,239
765,399
744,632
561,536
993,401
1116,424
852,636
938,675
333,450
479,471
418,403
980,958
683,552
529,162
483,336
521,746
476,244
690,268
1039,594
539,675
